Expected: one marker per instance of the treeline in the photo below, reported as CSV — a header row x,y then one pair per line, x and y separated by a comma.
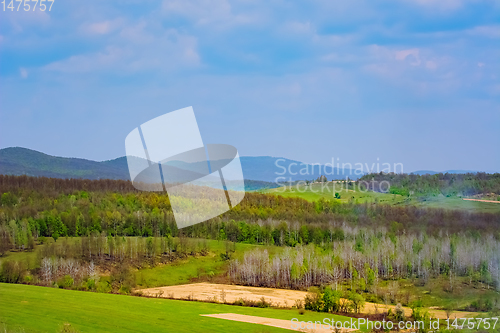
x,y
448,184
79,263
365,256
53,187
57,186
60,208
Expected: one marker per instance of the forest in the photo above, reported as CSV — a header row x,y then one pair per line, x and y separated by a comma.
x,y
352,246
448,184
366,256
34,207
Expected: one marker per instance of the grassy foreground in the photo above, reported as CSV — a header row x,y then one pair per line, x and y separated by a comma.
x,y
42,309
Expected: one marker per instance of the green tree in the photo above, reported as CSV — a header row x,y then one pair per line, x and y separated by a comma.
x,y
331,300
357,301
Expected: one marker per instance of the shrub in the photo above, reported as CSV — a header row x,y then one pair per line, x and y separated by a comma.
x,y
240,302
28,279
313,300
122,279
103,287
481,305
420,315
399,313
66,282
90,284
356,301
12,272
299,304
263,303
331,300
125,289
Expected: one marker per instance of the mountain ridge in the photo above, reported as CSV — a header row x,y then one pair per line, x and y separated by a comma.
x,y
24,161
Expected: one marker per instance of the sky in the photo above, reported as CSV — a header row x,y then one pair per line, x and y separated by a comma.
x,y
401,81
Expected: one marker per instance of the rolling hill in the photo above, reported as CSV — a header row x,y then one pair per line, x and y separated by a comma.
x,y
23,161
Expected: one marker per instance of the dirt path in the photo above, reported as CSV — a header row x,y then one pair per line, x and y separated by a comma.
x,y
494,201
280,323
226,293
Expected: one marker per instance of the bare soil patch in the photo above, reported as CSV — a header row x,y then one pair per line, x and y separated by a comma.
x,y
226,293
480,200
280,323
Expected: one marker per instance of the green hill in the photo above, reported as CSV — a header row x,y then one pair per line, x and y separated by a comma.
x,y
352,193
22,161
19,161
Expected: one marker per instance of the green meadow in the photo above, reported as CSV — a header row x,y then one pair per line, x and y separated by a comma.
x,y
196,267
43,309
317,191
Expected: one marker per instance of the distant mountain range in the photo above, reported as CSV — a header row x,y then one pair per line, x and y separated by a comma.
x,y
429,172
23,161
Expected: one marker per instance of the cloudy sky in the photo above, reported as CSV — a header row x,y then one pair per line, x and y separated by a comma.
x,y
409,81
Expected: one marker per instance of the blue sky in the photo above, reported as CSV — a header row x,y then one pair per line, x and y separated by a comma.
x,y
408,81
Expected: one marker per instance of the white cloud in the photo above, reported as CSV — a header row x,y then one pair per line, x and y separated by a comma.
x,y
431,64
21,21
490,31
411,56
135,50
296,27
88,62
23,72
494,89
420,70
217,13
447,5
137,33
102,27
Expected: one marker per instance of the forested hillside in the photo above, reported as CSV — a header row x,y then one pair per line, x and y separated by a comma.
x,y
22,161
447,184
323,242
32,207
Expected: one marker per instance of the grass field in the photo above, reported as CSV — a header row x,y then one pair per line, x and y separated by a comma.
x,y
199,267
185,270
434,293
327,191
211,268
459,203
42,309
179,272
